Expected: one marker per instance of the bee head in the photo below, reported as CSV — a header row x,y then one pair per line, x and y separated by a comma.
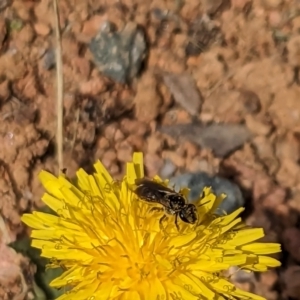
x,y
188,214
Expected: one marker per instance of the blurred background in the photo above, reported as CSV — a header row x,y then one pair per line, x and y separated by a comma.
x,y
207,89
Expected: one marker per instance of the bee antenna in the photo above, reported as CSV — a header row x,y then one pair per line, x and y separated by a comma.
x,y
201,204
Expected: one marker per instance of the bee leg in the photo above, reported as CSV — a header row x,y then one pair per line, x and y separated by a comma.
x,y
176,221
160,222
158,209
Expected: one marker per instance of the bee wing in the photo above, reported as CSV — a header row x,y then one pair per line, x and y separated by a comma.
x,y
153,185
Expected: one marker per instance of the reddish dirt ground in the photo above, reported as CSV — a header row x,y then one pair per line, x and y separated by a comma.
x,y
244,58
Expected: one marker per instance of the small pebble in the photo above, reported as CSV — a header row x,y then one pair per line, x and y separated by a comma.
x,y
128,126
136,141
42,29
154,144
119,136
147,99
275,18
124,151
26,34
103,143
110,131
153,163
108,158
91,26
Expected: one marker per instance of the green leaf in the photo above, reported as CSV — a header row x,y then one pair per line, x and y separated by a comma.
x,y
43,277
39,294
23,246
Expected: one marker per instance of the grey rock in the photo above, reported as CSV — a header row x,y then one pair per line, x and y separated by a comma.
x,y
119,55
49,60
223,139
185,92
168,169
197,181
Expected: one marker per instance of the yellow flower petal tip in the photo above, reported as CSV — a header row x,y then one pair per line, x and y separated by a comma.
x,y
112,245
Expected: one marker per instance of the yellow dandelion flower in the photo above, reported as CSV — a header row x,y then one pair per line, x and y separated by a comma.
x,y
111,247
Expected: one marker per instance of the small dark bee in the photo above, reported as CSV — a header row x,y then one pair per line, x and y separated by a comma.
x,y
173,203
